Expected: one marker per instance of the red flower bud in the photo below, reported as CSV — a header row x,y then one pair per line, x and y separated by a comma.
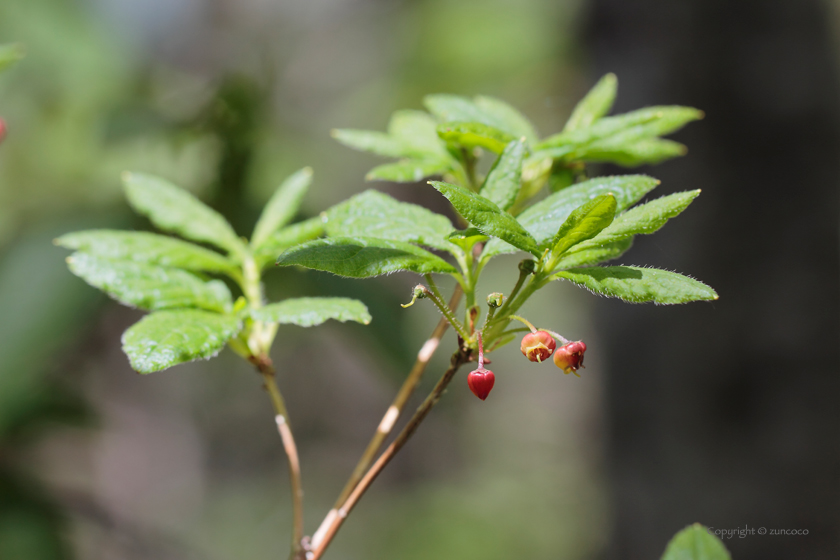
x,y
2,130
481,382
538,346
569,357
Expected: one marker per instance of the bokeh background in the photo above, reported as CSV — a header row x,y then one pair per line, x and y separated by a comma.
x,y
723,413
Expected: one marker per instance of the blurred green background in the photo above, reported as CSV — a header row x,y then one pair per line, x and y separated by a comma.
x,y
227,98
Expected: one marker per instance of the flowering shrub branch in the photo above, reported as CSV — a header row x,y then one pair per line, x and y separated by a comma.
x,y
567,235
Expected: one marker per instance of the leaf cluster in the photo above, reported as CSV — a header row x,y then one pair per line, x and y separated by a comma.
x,y
435,143
186,282
567,233
193,313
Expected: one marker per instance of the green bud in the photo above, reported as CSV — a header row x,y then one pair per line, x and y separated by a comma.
x,y
495,299
420,292
528,266
240,304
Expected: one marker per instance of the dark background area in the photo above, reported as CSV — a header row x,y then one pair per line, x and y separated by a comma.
x,y
722,413
728,412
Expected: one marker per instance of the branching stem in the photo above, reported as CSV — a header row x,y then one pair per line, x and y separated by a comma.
x,y
458,359
523,274
258,343
438,300
389,420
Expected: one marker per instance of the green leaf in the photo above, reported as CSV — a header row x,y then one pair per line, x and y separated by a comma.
x,y
411,134
290,236
487,217
577,257
585,222
147,248
9,54
484,110
375,214
639,285
466,238
173,209
378,143
312,311
666,119
695,542
513,121
283,205
505,177
632,154
453,108
363,257
409,170
417,131
149,287
642,123
535,174
644,219
594,105
167,338
544,218
474,135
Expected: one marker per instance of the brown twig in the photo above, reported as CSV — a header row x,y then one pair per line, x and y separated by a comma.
x,y
266,368
458,359
389,420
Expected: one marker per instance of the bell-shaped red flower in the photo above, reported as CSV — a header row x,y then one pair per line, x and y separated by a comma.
x,y
569,357
481,380
538,346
